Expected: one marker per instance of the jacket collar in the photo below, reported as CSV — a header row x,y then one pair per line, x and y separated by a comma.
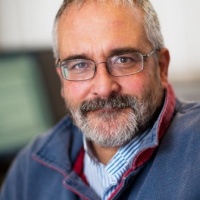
x,y
60,148
158,130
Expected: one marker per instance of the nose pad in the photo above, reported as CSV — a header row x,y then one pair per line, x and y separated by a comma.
x,y
106,66
100,63
104,84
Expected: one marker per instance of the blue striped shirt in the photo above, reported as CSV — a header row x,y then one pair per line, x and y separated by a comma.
x,y
104,179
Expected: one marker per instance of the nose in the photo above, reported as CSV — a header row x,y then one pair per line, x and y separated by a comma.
x,y
104,84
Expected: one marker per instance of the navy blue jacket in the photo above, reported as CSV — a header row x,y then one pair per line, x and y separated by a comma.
x,y
51,168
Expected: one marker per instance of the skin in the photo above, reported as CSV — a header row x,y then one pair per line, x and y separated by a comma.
x,y
95,31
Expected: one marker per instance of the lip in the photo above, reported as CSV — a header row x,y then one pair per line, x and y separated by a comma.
x,y
108,110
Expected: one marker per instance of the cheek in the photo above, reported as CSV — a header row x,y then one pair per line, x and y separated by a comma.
x,y
141,83
134,85
74,92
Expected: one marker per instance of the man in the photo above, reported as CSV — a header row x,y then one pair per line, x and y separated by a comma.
x,y
130,138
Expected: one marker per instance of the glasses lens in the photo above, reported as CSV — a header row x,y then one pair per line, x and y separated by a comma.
x,y
78,69
126,64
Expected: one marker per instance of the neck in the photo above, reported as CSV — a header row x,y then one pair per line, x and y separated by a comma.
x,y
103,154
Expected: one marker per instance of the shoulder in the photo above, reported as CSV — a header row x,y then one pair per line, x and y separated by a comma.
x,y
62,133
54,149
63,137
185,124
187,106
61,142
187,114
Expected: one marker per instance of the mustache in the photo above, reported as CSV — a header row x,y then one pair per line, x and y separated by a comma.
x,y
114,101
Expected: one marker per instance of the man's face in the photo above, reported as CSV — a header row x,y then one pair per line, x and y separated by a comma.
x,y
109,110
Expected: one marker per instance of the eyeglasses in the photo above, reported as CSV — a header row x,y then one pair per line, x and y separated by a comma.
x,y
118,65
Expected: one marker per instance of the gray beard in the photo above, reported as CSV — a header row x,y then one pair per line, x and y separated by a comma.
x,y
106,127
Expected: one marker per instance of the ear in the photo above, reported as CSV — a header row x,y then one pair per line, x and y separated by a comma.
x,y
58,70
163,63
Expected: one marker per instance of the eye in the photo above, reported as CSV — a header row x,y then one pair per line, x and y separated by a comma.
x,y
123,60
127,59
78,65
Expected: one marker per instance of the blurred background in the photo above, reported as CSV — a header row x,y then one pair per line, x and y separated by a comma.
x,y
30,101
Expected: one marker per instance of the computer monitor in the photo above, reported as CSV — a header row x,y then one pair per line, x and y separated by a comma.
x,y
26,108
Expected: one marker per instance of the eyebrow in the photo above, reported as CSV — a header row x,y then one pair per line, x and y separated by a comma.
x,y
113,52
76,56
121,51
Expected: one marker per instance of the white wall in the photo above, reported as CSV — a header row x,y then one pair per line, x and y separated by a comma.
x,y
28,24
181,29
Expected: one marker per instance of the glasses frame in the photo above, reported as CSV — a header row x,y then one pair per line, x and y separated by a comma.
x,y
145,56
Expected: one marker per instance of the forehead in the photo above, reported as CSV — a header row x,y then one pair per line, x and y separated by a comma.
x,y
98,25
